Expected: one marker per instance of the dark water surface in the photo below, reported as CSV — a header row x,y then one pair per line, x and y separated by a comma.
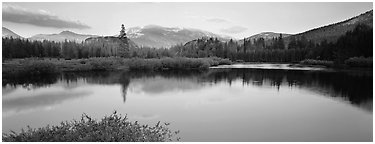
x,y
214,105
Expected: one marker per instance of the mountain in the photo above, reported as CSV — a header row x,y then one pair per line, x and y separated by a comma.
x,y
265,35
68,35
8,33
158,36
333,31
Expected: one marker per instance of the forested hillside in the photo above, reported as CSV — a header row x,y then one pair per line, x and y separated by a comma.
x,y
332,32
355,43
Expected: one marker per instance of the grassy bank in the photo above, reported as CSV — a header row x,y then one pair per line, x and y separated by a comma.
x,y
113,128
175,63
354,62
34,66
360,62
317,62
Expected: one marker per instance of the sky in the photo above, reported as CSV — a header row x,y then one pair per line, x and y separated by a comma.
x,y
235,19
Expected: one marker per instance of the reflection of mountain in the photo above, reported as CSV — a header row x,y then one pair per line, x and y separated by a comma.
x,y
354,87
106,78
158,85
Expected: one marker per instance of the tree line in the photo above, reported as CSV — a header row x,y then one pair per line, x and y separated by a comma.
x,y
24,48
357,42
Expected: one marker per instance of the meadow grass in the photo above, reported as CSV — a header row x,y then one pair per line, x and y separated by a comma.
x,y
359,62
169,63
317,62
53,65
30,68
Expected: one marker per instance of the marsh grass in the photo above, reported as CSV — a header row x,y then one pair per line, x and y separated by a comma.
x,y
113,128
30,67
178,63
317,62
40,68
359,62
53,65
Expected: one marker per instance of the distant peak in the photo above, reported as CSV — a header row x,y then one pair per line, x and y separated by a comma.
x,y
268,33
153,26
67,32
6,29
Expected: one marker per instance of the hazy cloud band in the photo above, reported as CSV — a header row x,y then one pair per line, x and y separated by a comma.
x,y
217,20
234,30
38,18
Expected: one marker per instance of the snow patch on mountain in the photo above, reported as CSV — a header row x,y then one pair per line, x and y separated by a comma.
x,y
134,32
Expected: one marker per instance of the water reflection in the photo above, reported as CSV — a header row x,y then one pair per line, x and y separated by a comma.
x,y
264,105
355,88
29,82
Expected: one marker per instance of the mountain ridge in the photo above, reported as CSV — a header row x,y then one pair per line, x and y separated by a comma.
x,y
159,36
8,33
332,32
265,35
62,36
149,36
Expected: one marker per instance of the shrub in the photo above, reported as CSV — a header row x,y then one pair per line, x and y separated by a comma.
x,y
359,62
113,128
82,62
215,61
168,63
224,61
102,63
317,62
142,64
211,61
36,67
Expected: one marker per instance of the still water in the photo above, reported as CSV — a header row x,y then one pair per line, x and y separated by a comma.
x,y
216,105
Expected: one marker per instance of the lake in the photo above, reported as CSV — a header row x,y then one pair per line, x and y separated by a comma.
x,y
220,104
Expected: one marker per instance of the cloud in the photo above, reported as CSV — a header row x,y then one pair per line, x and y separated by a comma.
x,y
41,18
16,103
234,30
217,20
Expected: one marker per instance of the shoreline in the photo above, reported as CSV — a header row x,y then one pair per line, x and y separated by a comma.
x,y
14,66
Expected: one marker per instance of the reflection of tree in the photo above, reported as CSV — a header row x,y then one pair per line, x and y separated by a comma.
x,y
28,82
357,88
124,81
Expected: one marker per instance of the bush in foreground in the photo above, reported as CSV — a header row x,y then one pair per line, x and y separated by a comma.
x,y
113,128
359,62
